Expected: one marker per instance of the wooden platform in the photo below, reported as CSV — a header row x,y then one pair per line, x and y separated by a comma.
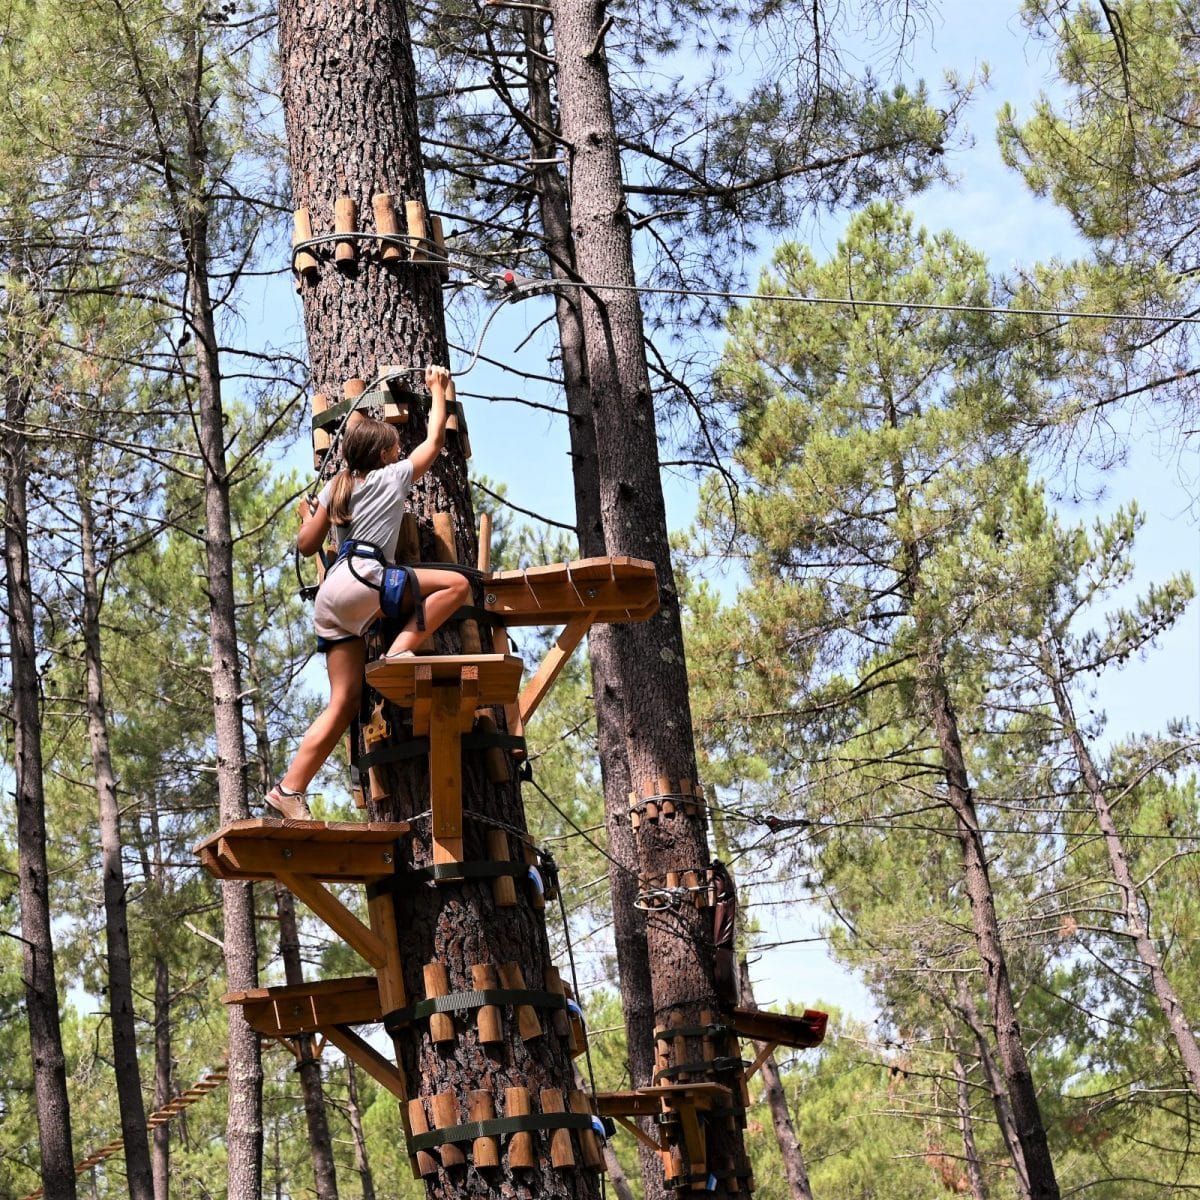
x,y
608,589
263,848
648,1101
499,676
310,1007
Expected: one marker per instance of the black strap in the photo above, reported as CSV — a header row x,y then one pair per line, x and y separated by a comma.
x,y
403,882
498,1126
664,1034
461,1001
727,1063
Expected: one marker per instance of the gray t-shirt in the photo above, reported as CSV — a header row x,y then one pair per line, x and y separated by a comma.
x,y
376,506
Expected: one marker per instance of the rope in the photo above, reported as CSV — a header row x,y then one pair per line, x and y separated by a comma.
x,y
160,1116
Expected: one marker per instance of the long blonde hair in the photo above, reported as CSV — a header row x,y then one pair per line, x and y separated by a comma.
x,y
363,448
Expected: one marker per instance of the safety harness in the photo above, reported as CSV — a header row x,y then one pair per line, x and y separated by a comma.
x,y
397,578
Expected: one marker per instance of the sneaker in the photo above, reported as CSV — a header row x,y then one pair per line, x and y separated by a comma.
x,y
291,805
398,656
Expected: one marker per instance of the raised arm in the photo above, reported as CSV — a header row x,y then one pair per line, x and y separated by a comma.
x,y
441,388
313,529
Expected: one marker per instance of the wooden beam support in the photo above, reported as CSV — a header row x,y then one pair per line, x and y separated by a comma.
x,y
285,1012
371,1061
338,917
445,774
556,658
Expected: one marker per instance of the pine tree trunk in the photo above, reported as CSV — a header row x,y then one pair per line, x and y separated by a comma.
x,y
966,1125
964,1006
354,1113
116,931
781,1119
37,942
649,678
629,923
357,141
243,1131
1027,1117
308,1065
1134,907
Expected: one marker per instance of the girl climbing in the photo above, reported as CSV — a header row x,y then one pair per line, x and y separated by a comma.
x,y
364,504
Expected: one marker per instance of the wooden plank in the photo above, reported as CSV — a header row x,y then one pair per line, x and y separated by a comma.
x,y
310,1007
422,701
249,858
556,658
338,917
371,1061
553,595
389,977
499,675
445,775
800,1033
468,699
301,833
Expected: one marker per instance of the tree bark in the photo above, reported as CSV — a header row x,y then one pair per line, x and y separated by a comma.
x,y
966,1125
773,1093
964,1006
307,1064
362,1162
37,942
649,670
629,923
1027,1117
244,1130
1134,907
116,930
357,141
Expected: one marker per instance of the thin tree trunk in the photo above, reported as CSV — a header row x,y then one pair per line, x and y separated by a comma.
x,y
354,1112
649,678
243,1131
966,1125
308,1065
37,942
1134,907
781,1119
356,142
1027,1117
965,1007
120,973
629,923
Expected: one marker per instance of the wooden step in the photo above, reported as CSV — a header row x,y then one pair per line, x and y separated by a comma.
x,y
309,1007
801,1033
498,675
263,848
608,589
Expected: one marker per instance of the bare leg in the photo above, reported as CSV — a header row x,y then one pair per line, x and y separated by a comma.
x,y
344,662
445,592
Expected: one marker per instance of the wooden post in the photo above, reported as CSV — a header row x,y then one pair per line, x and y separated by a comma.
x,y
485,542
408,544
561,1154
351,390
445,1116
513,977
321,438
668,806
306,262
520,1145
439,241
561,1018
345,220
495,761
426,1164
414,216
504,888
589,1143
485,1152
437,983
490,1023
387,222
444,545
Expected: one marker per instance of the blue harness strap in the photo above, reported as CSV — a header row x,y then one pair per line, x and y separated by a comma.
x,y
396,580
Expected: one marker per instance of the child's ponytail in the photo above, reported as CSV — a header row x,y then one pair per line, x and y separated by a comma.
x,y
363,448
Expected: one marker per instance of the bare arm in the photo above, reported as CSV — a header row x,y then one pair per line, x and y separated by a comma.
x,y
441,388
313,529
